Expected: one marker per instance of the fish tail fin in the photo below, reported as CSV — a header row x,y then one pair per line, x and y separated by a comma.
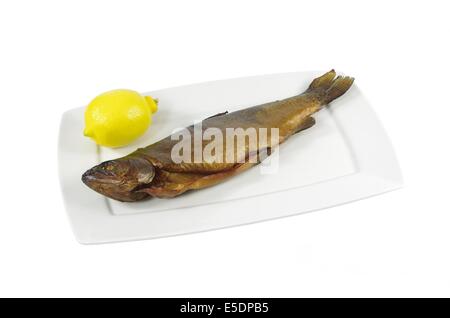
x,y
330,87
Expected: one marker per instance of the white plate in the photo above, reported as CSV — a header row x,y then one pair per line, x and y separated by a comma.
x,y
346,156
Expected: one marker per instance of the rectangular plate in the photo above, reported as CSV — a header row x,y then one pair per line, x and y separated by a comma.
x,y
346,156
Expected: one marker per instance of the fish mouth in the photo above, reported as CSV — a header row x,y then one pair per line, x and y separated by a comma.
x,y
121,178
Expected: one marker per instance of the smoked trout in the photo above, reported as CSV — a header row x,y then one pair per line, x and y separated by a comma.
x,y
154,172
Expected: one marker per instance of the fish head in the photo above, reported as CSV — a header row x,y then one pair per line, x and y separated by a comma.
x,y
120,179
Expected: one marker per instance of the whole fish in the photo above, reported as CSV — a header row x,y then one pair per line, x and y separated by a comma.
x,y
153,172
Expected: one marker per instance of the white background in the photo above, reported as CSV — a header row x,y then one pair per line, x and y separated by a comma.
x,y
56,55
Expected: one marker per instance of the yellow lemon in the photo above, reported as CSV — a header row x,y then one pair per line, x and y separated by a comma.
x,y
118,117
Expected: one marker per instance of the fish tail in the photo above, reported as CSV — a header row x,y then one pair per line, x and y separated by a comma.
x,y
330,87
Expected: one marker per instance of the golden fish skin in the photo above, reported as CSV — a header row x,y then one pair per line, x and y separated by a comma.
x,y
151,171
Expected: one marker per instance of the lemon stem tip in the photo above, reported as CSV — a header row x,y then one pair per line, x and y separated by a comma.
x,y
152,103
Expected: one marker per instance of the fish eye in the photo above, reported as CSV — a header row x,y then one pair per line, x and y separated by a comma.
x,y
106,167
